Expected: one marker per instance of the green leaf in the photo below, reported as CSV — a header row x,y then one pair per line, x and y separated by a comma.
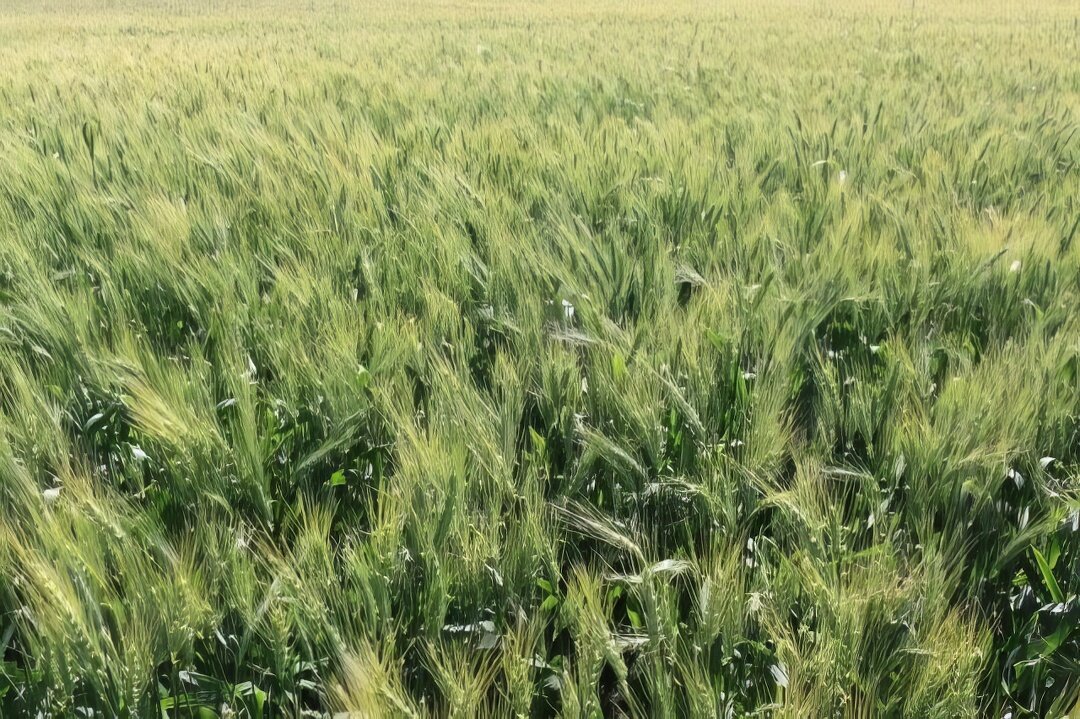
x,y
446,518
1048,576
717,340
618,366
1050,644
538,442
1054,553
93,422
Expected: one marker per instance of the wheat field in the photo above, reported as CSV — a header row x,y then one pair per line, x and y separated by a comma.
x,y
533,359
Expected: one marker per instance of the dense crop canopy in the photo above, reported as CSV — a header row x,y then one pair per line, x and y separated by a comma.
x,y
532,359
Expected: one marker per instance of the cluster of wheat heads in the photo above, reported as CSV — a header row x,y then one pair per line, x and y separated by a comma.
x,y
520,359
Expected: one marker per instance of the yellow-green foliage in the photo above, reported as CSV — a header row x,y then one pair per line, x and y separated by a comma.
x,y
524,358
